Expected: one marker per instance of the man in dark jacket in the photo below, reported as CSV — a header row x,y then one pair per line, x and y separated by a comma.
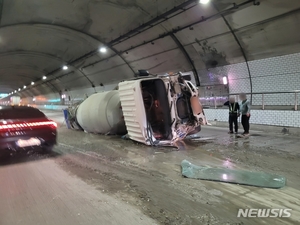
x,y
234,113
245,111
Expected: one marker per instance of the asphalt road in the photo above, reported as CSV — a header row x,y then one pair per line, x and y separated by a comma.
x,y
35,190
94,179
40,192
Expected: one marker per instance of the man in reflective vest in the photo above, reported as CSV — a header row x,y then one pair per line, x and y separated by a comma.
x,y
234,113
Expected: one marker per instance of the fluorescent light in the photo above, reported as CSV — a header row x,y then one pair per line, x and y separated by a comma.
x,y
204,1
225,80
44,77
103,49
65,67
32,83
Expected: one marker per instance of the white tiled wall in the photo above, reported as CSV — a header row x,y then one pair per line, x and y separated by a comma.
x,y
237,74
264,117
277,74
216,114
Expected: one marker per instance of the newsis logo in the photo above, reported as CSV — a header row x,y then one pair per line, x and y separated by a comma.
x,y
264,213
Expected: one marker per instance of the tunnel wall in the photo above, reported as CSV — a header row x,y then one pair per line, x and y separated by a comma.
x,y
70,96
277,74
262,117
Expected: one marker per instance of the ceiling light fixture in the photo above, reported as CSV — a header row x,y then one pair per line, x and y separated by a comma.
x,y
65,67
204,1
103,49
15,91
19,89
44,77
32,83
24,87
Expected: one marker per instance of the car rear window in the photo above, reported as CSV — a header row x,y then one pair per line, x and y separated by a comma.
x,y
20,113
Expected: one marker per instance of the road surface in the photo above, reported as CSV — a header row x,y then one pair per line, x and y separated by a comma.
x,y
40,192
94,179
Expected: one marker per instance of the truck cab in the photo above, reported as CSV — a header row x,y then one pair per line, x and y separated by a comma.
x,y
161,110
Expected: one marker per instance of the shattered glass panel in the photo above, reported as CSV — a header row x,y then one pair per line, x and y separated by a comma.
x,y
241,177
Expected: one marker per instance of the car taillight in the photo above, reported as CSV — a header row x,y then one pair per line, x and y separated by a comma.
x,y
53,124
26,125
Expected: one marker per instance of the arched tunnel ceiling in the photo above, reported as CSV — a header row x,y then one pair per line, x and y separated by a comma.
x,y
39,37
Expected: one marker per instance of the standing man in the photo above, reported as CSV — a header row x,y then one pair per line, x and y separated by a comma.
x,y
245,111
234,109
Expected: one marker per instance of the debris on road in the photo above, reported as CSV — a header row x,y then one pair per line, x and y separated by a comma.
x,y
257,179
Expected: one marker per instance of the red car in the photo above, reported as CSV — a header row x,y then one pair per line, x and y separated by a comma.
x,y
23,128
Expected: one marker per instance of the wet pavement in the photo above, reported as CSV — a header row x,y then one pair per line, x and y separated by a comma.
x,y
155,174
149,179
34,190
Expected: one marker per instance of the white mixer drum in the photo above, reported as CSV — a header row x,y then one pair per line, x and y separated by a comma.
x,y
102,113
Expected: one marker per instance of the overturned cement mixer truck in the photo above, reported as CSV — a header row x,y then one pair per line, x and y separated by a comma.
x,y
157,111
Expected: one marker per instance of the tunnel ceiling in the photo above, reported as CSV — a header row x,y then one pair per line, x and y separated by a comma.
x,y
38,37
